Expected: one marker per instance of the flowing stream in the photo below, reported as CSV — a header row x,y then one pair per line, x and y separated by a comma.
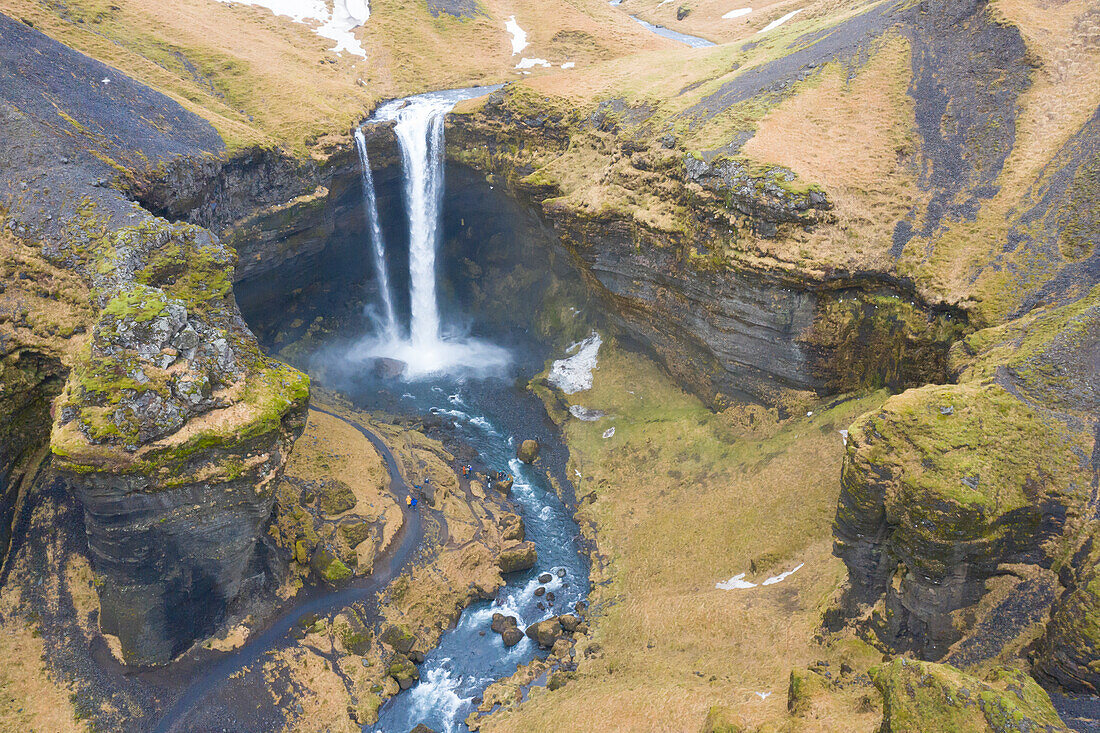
x,y
471,382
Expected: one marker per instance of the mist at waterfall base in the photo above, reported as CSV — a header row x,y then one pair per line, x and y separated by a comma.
x,y
477,385
425,349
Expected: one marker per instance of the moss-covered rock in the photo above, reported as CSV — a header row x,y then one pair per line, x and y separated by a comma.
x,y
528,451
335,497
938,488
922,697
803,686
403,671
398,638
722,719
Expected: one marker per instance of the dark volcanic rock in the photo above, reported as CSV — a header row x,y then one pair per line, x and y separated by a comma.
x,y
172,428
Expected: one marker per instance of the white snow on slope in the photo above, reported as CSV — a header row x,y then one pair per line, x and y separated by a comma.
x,y
519,36
737,13
574,373
738,581
568,65
783,576
526,63
335,24
776,23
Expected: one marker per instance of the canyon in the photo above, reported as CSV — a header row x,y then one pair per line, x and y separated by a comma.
x,y
260,292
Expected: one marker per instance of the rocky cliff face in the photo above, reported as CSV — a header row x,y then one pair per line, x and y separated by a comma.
x,y
167,423
948,487
730,328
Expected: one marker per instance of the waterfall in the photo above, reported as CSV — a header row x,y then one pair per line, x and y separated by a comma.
x,y
418,125
370,206
419,130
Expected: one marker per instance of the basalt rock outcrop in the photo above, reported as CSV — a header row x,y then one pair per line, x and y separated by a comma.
x,y
167,423
947,487
920,696
727,329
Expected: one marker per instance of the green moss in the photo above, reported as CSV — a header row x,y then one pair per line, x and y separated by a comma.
x,y
923,696
336,572
139,305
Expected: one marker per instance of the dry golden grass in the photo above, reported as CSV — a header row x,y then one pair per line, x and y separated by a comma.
x,y
29,699
330,448
265,79
685,499
853,136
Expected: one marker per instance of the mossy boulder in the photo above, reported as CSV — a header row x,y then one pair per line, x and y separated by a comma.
x,y
403,671
517,556
366,712
329,567
721,719
335,497
398,638
528,451
355,533
804,685
923,697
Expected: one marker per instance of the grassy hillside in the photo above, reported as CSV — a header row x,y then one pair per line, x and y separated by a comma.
x,y
265,79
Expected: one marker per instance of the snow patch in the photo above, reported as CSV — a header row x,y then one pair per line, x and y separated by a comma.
x,y
585,413
526,63
844,436
336,23
736,13
738,581
608,433
776,23
570,65
574,373
519,36
783,576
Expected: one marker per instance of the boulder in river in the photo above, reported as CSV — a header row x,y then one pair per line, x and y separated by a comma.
x,y
517,556
403,671
545,632
385,368
545,578
511,636
421,728
568,622
508,628
528,451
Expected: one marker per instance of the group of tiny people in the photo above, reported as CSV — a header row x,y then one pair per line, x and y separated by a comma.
x,y
467,471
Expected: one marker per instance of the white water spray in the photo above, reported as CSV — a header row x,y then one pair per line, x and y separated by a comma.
x,y
378,245
419,130
418,125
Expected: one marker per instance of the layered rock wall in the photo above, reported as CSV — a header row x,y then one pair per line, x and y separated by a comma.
x,y
166,421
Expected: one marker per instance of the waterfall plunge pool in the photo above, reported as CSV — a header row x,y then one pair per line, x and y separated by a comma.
x,y
434,270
